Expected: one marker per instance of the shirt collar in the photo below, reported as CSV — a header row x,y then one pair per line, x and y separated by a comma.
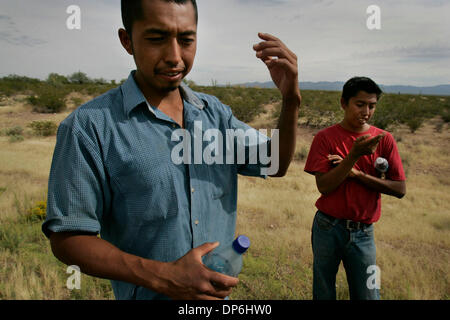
x,y
133,97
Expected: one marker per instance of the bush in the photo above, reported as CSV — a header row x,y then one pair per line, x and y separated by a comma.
x,y
49,100
16,138
14,131
246,103
43,128
79,78
445,114
414,124
14,83
55,79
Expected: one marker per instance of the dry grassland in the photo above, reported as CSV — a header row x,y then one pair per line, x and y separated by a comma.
x,y
412,236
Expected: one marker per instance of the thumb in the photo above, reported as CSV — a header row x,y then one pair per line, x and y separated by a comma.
x,y
206,247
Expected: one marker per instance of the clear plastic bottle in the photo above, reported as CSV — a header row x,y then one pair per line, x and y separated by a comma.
x,y
228,260
382,166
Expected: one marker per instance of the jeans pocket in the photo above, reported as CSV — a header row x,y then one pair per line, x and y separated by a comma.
x,y
369,231
323,223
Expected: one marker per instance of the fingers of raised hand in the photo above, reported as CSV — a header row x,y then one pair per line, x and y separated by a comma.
x,y
272,42
362,138
265,51
375,140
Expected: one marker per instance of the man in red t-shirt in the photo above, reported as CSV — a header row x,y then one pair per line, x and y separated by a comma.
x,y
342,158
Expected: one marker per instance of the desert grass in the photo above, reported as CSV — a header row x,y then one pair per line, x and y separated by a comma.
x,y
412,236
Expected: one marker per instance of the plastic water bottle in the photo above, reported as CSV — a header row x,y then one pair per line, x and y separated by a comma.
x,y
381,164
228,260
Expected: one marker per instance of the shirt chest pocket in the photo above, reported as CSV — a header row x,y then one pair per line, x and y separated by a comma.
x,y
222,180
150,194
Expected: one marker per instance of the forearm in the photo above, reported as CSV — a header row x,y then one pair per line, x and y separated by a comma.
x,y
287,126
389,187
330,181
99,258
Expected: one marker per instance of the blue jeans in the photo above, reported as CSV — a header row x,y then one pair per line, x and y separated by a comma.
x,y
332,243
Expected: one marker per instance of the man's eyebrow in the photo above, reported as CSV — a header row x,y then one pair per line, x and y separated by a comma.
x,y
165,32
365,101
188,33
156,30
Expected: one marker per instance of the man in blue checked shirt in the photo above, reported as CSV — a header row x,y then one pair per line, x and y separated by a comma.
x,y
113,174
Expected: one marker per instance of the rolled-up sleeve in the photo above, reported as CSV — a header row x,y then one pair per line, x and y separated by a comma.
x,y
77,190
256,146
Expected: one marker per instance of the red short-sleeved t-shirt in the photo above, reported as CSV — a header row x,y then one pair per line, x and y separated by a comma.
x,y
352,200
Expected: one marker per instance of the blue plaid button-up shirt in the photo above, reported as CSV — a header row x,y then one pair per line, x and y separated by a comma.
x,y
112,173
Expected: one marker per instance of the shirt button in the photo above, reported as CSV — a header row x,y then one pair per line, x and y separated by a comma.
x,y
192,190
196,222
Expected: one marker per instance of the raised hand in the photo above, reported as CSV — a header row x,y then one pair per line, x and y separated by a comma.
x,y
281,62
365,145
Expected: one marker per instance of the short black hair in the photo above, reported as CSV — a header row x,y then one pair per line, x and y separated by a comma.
x,y
132,11
356,84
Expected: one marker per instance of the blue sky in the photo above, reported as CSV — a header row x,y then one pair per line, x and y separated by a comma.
x,y
329,37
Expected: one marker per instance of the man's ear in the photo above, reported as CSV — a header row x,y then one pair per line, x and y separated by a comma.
x,y
343,103
125,39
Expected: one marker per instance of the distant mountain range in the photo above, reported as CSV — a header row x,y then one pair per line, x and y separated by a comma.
x,y
441,90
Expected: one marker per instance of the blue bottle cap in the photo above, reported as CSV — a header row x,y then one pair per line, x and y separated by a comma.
x,y
241,244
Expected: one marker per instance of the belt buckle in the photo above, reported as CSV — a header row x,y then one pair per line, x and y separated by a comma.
x,y
350,222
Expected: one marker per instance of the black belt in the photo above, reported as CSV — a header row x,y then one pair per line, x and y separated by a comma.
x,y
349,224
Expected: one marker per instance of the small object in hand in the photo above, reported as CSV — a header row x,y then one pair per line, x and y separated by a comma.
x,y
382,166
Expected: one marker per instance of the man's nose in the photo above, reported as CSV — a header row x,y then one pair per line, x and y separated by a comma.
x,y
365,110
173,53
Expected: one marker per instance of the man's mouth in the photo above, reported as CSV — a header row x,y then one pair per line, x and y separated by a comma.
x,y
171,75
363,120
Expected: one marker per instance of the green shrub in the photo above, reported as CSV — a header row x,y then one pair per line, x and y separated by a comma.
x,y
16,138
43,128
79,78
445,114
14,131
49,99
414,123
55,79
246,103
13,83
